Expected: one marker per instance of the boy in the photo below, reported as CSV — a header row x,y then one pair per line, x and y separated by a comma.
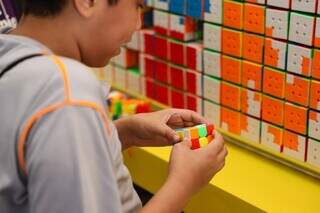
x,y
58,150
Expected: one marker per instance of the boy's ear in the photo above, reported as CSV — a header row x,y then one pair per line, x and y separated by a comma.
x,y
85,7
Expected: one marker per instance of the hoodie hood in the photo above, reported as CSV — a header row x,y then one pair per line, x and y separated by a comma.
x,y
13,48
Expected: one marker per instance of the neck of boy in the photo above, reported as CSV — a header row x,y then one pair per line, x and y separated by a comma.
x,y
52,32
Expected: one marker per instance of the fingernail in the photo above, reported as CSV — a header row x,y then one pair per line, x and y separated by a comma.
x,y
176,138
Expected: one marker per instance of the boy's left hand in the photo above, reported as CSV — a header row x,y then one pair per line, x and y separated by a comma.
x,y
156,128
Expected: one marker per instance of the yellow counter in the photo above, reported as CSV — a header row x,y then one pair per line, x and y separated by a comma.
x,y
248,183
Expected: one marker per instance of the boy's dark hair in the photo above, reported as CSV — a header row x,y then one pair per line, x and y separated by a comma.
x,y
44,8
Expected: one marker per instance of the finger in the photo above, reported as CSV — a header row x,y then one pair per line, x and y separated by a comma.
x,y
217,144
170,134
181,117
223,154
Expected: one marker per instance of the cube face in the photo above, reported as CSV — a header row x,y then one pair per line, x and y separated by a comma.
x,y
161,47
251,75
182,27
147,41
177,77
271,136
279,3
317,33
275,53
194,82
213,11
194,103
161,22
177,99
277,23
299,60
162,93
212,36
301,29
161,4
314,125
272,110
251,102
294,145
231,69
212,63
150,88
308,6
211,89
232,42
232,14
230,120
195,8
313,155
161,71
297,89
253,47
315,95
250,128
194,56
177,53
133,82
254,18
178,6
295,118
212,112
230,95
316,65
274,82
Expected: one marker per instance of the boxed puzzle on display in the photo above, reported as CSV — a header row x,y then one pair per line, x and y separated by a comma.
x,y
251,67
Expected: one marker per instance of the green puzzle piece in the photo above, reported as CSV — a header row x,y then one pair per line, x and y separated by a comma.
x,y
202,131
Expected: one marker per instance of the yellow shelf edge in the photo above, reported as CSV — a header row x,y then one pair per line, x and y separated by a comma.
x,y
244,143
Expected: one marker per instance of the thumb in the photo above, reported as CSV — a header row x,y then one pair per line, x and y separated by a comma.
x,y
170,134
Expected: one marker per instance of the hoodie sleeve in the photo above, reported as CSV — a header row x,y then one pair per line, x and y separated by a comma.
x,y
70,167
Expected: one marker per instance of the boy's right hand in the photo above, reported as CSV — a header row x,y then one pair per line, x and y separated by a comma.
x,y
191,170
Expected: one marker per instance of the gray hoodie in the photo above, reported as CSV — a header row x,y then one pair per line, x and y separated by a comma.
x,y
58,150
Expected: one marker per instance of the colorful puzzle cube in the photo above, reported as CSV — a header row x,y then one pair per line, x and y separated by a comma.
x,y
274,82
251,75
212,36
314,125
230,121
277,23
230,95
297,89
213,11
299,60
315,95
250,128
271,136
301,28
251,102
212,63
211,112
294,145
313,154
231,69
272,110
295,118
211,89
233,14
275,53
254,18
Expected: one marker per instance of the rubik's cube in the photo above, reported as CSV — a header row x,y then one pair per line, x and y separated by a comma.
x,y
200,135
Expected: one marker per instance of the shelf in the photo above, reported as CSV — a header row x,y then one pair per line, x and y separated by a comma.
x,y
248,183
252,146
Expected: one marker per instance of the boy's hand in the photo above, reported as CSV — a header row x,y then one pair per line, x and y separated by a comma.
x,y
193,169
156,128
